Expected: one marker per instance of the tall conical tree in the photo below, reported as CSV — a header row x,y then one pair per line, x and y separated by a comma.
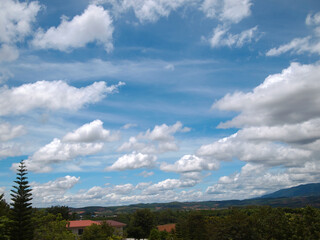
x,y
21,211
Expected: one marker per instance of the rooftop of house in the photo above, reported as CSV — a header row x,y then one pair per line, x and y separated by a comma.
x,y
167,227
87,223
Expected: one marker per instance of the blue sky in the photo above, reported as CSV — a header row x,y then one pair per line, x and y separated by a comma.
x,y
114,102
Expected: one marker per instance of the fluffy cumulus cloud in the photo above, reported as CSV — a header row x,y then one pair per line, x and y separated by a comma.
x,y
278,137
308,44
289,97
257,179
164,132
169,184
94,25
52,95
91,132
158,140
227,10
52,191
86,140
16,19
133,161
57,192
221,37
58,151
268,153
190,163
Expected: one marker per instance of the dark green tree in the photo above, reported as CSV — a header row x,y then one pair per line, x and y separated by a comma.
x,y
4,219
154,234
4,206
21,212
63,210
141,224
196,226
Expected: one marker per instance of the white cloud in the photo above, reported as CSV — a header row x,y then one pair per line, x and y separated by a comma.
x,y
129,125
164,191
147,10
255,180
227,10
164,132
9,150
16,19
313,19
50,95
8,132
306,132
221,37
133,161
279,136
5,74
91,132
297,46
265,152
59,152
190,163
123,189
134,145
169,184
158,140
51,191
8,53
94,25
308,44
287,98
87,140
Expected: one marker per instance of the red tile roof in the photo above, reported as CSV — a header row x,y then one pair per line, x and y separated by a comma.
x,y
87,223
113,223
167,227
81,223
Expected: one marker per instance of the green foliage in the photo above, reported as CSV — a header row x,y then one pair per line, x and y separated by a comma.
x,y
98,232
141,224
49,226
306,225
4,228
4,206
263,223
62,210
4,219
196,226
21,227
154,234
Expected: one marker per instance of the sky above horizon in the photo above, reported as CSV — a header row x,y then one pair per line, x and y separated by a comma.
x,y
115,102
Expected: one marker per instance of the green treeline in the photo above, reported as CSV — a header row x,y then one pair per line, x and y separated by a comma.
x,y
256,223
252,223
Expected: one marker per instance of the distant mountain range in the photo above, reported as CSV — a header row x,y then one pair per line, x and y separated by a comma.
x,y
306,190
300,196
